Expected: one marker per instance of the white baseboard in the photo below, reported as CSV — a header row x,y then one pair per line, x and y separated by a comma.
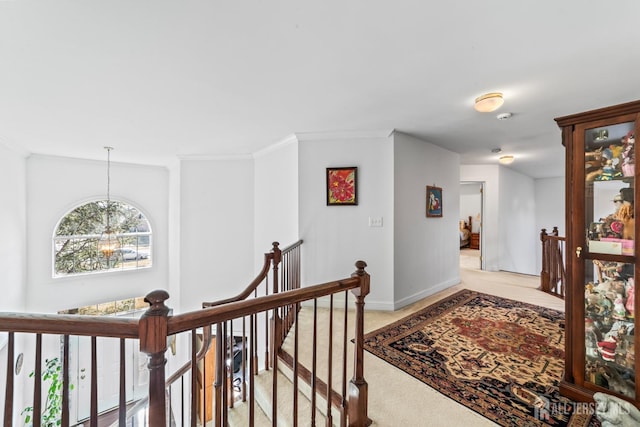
x,y
338,302
425,293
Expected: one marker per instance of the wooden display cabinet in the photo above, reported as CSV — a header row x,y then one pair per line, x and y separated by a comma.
x,y
602,259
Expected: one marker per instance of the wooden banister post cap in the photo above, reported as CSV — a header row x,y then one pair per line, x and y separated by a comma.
x,y
277,254
360,266
156,301
363,290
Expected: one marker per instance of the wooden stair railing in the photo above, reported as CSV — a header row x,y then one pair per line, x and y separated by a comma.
x,y
153,329
284,265
553,274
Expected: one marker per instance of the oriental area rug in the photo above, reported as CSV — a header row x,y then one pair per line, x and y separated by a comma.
x,y
501,358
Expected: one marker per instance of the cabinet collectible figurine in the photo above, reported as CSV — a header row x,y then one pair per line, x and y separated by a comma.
x,y
602,258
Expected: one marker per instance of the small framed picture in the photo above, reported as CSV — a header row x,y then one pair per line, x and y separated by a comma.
x,y
434,201
342,186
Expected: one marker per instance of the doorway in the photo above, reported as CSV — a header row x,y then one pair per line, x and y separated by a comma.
x,y
471,213
107,362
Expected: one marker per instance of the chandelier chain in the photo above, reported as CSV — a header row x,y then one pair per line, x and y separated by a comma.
x,y
108,187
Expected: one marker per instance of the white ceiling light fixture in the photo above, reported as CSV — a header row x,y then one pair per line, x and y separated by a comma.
x,y
506,160
489,102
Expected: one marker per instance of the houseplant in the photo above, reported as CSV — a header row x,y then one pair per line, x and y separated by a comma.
x,y
52,411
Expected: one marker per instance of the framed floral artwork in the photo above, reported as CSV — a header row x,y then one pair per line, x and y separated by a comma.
x,y
342,186
434,201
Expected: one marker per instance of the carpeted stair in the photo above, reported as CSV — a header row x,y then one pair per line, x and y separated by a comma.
x,y
238,416
264,383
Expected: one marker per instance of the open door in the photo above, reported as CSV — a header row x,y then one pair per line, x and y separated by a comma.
x,y
108,362
471,212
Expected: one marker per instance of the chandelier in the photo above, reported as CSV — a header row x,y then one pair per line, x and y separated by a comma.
x,y
108,243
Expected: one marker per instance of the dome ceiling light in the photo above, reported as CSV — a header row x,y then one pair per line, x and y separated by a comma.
x,y
506,160
489,102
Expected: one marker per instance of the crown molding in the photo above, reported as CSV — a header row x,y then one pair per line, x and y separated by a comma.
x,y
209,157
293,139
368,134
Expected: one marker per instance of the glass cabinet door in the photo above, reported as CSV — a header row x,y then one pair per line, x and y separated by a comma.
x,y
609,261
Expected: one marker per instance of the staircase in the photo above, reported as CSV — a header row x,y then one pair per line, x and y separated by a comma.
x,y
238,417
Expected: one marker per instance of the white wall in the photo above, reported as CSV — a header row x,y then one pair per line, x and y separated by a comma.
x,y
425,249
335,237
55,185
550,209
489,174
519,239
217,205
276,197
12,251
173,240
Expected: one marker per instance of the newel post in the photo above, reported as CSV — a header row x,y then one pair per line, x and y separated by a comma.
x,y
358,387
277,258
544,274
276,319
153,327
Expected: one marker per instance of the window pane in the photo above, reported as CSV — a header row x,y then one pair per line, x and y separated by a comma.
x,y
77,244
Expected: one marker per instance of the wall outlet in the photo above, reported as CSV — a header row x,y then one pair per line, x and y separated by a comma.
x,y
375,221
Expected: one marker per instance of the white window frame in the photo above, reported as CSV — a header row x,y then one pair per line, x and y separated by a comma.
x,y
115,263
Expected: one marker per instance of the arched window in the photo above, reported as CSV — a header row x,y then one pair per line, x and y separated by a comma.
x,y
92,239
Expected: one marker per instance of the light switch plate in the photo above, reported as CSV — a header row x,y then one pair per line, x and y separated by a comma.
x,y
375,221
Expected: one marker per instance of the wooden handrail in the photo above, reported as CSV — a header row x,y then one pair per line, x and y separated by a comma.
x,y
69,324
219,314
249,289
269,257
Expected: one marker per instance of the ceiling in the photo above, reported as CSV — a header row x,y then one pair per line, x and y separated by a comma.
x,y
160,79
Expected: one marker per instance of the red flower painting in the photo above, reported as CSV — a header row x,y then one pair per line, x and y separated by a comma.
x,y
341,186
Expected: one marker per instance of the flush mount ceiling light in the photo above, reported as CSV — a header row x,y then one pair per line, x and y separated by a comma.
x,y
506,160
489,102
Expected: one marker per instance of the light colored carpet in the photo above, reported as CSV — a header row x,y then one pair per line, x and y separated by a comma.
x,y
470,258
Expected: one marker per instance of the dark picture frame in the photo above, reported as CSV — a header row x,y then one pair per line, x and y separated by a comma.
x,y
434,202
342,186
